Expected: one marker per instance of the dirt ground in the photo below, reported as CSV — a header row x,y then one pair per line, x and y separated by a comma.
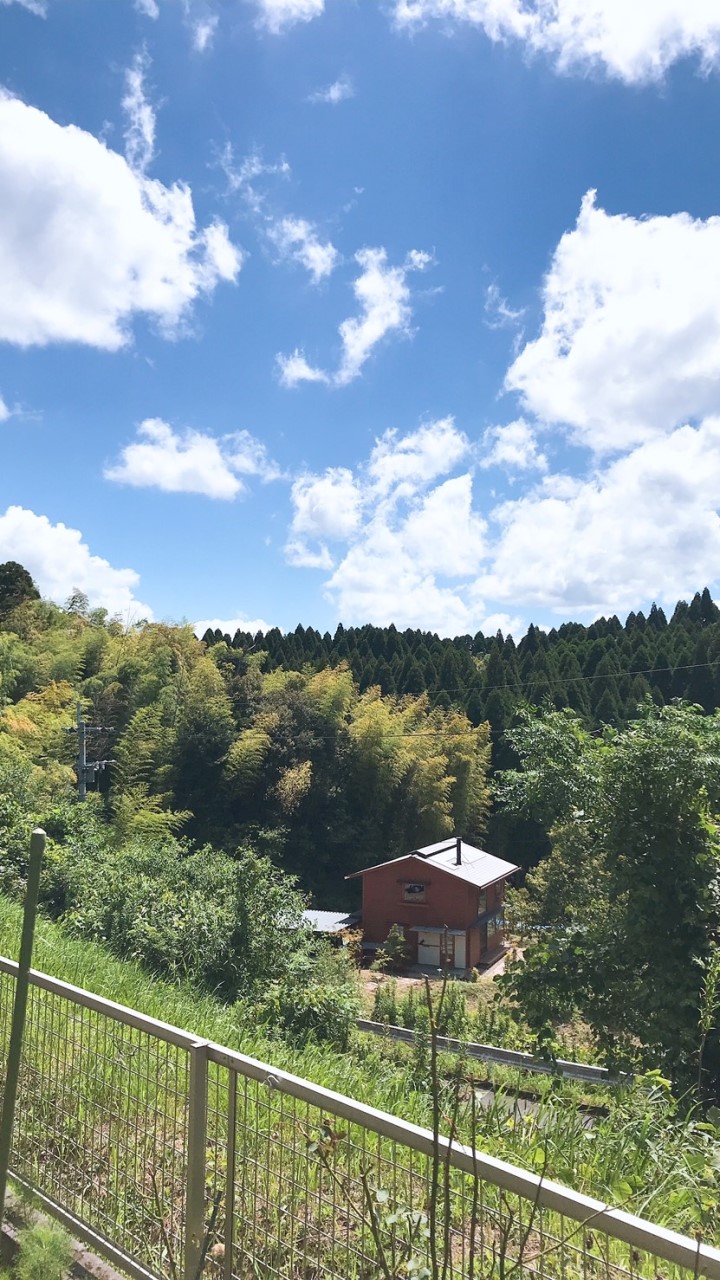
x,y
416,977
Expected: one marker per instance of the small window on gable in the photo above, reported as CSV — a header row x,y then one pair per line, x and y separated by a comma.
x,y
413,891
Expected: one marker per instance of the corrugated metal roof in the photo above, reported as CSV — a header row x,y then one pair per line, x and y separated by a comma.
x,y
330,921
476,866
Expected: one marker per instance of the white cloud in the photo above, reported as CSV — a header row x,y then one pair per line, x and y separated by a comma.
x,y
278,15
140,130
327,508
339,91
513,446
38,7
191,462
384,297
86,243
294,369
297,239
391,535
646,527
59,560
203,32
229,626
242,176
399,465
630,341
394,570
149,8
498,312
633,43
4,411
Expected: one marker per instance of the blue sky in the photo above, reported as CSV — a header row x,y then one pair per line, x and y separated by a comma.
x,y
395,310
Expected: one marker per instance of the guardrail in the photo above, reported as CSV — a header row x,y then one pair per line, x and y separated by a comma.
x,y
505,1057
175,1157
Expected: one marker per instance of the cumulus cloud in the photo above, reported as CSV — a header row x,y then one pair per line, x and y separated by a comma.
x,y
635,45
297,239
191,461
339,91
513,446
645,527
630,341
384,297
277,15
140,114
294,369
326,508
390,535
87,243
229,626
59,560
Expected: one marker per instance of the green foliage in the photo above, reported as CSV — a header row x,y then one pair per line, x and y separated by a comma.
x,y
16,586
317,999
45,1253
394,953
632,886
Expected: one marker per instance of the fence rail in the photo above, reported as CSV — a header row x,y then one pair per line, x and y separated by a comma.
x,y
505,1057
176,1157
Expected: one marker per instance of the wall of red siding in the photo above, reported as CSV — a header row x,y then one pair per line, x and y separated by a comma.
x,y
448,901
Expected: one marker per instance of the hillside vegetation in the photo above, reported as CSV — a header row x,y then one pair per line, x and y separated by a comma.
x,y
249,772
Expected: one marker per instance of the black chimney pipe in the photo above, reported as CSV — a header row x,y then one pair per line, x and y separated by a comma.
x,y
458,851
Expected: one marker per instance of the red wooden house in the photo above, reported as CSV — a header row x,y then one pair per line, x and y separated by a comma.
x,y
447,896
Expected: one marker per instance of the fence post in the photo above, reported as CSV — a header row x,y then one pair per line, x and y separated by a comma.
x,y
196,1146
12,1074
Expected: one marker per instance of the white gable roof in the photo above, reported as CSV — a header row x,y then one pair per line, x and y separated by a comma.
x,y
476,866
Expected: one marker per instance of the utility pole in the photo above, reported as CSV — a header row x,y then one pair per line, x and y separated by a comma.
x,y
83,768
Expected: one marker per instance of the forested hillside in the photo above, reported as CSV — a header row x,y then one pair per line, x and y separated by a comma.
x,y
225,747
245,774
601,671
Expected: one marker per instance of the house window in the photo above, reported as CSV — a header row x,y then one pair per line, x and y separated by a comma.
x,y
495,925
482,902
413,891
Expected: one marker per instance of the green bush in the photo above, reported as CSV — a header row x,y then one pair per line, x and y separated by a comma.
x,y
45,1253
318,999
385,1006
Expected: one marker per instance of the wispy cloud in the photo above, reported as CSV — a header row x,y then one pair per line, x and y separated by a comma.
x,y
498,312
38,7
384,297
140,115
277,15
203,32
339,91
296,238
242,175
149,8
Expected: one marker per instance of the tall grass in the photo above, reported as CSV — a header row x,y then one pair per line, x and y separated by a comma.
x,y
652,1156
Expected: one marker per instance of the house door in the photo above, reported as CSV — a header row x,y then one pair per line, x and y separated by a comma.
x,y
429,949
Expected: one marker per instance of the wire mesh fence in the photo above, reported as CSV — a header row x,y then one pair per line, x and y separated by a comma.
x,y
180,1159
